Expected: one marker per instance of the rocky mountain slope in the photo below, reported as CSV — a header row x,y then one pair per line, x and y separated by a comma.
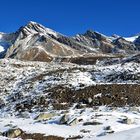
x,y
55,87
35,42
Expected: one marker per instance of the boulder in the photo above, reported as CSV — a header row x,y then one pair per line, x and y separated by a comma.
x,y
45,116
64,119
126,120
107,128
13,133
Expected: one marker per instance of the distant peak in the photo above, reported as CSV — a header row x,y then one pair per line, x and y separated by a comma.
x,y
90,31
2,33
115,36
95,34
33,28
34,25
32,22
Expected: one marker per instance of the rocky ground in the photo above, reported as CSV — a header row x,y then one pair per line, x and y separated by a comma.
x,y
85,123
63,100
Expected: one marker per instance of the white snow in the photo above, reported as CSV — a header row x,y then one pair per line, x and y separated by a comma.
x,y
3,44
131,39
103,115
77,77
1,48
50,31
104,72
5,138
132,134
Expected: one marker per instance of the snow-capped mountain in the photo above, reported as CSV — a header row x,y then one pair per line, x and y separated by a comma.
x,y
87,88
36,42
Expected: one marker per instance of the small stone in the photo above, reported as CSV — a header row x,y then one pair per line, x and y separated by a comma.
x,y
107,128
74,137
92,123
90,100
110,131
85,131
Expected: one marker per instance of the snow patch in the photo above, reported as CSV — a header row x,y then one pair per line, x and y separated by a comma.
x,y
2,49
131,39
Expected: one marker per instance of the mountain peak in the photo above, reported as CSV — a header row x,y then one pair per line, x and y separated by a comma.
x,y
32,22
34,25
95,34
33,28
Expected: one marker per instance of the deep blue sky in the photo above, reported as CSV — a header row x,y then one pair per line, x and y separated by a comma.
x,y
69,17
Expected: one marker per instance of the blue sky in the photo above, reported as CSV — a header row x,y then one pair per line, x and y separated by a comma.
x,y
69,17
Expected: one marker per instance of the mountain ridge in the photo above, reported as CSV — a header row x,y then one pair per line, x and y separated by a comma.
x,y
38,43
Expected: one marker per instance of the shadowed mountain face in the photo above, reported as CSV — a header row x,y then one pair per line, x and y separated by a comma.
x,y
35,42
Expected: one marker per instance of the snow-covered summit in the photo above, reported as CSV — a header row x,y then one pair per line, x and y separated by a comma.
x,y
131,39
34,28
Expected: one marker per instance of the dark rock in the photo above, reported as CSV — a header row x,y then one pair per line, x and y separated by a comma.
x,y
92,123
